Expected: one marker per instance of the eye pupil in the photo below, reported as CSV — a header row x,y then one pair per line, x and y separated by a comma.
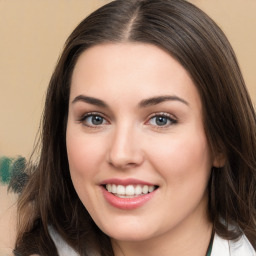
x,y
160,120
96,120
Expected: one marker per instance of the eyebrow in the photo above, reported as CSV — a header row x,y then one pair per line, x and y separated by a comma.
x,y
143,104
157,100
90,100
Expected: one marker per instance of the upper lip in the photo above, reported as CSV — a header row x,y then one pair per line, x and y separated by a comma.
x,y
125,182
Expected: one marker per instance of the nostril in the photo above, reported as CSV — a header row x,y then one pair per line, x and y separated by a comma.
x,y
122,163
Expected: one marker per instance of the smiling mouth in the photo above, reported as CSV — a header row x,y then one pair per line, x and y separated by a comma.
x,y
129,191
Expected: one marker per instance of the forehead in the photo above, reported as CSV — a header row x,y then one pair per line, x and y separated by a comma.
x,y
130,69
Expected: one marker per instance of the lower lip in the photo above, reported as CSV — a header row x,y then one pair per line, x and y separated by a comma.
x,y
127,203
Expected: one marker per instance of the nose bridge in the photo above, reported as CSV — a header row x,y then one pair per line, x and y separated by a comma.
x,y
124,149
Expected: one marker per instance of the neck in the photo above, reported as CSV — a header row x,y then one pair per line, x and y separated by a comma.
x,y
190,238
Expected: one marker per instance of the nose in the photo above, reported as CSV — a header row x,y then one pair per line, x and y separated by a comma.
x,y
125,150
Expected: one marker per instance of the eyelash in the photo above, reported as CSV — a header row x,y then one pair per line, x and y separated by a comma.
x,y
92,114
170,118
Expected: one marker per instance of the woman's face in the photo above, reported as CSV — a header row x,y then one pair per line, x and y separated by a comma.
x,y
138,155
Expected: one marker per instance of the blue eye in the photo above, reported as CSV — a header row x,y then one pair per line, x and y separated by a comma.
x,y
93,120
162,120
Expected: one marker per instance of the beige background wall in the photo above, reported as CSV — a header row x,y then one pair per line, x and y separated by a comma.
x,y
32,33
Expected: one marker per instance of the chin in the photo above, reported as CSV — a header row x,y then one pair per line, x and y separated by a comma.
x,y
133,233
129,237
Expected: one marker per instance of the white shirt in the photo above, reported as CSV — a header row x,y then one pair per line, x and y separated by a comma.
x,y
221,247
241,247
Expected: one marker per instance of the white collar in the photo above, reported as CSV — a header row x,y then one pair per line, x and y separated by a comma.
x,y
221,247
62,247
240,247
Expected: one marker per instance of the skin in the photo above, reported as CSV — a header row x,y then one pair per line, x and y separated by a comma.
x,y
129,143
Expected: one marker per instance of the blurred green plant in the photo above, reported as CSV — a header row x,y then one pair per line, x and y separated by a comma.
x,y
13,173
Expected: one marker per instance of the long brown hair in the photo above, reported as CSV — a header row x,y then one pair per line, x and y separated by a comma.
x,y
192,38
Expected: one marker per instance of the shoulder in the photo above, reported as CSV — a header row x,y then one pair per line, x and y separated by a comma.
x,y
241,246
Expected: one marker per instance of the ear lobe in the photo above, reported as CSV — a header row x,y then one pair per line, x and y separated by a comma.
x,y
219,160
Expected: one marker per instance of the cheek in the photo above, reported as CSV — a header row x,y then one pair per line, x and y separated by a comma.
x,y
184,160
84,154
185,167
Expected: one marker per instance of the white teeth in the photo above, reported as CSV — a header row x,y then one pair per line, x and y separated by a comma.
x,y
150,189
129,190
113,189
120,190
138,190
145,189
109,188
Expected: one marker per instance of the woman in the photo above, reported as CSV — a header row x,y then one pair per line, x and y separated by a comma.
x,y
148,140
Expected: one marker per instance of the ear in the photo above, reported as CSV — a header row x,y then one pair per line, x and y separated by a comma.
x,y
219,160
